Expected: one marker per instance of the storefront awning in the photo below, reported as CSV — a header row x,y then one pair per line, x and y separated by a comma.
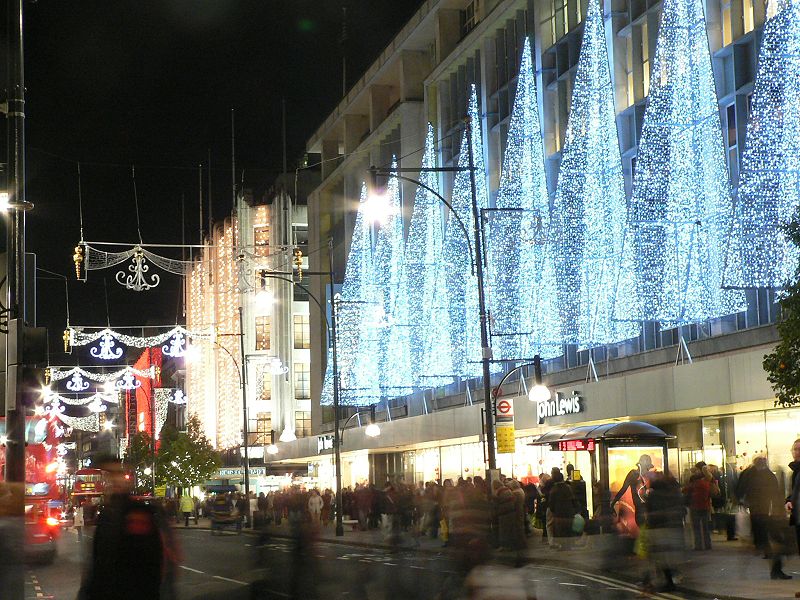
x,y
625,430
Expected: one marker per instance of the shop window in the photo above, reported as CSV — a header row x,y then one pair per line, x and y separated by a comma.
x,y
302,381
302,423
262,333
629,69
261,429
302,332
727,25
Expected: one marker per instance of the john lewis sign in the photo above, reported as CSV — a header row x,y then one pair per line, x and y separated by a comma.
x,y
562,405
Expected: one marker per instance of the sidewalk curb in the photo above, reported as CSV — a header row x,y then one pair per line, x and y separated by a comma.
x,y
345,541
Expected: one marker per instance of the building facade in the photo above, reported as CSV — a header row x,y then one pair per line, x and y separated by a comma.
x,y
703,382
240,289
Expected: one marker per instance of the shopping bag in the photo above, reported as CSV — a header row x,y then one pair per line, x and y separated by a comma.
x,y
443,530
578,524
743,527
641,548
537,523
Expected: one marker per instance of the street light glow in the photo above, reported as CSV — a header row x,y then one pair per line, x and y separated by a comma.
x,y
4,205
108,425
192,354
148,471
272,449
287,435
539,393
372,430
377,208
264,300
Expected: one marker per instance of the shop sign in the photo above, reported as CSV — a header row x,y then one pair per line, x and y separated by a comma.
x,y
504,430
324,442
238,472
562,405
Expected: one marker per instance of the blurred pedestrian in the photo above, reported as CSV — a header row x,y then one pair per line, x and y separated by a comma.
x,y
132,549
78,521
698,494
315,504
561,503
186,507
664,512
793,501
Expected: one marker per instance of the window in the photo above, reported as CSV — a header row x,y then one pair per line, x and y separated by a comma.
x,y
727,29
731,114
261,238
266,384
262,333
645,59
302,381
629,68
302,332
302,423
261,429
560,23
748,15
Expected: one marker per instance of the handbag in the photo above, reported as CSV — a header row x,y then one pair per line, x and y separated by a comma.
x,y
743,527
641,546
443,530
537,523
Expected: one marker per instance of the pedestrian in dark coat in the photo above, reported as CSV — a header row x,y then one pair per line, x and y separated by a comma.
x,y
793,501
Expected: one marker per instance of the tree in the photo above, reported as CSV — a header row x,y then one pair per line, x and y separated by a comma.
x,y
185,458
138,457
783,364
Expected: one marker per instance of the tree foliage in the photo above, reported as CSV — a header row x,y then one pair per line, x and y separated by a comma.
x,y
783,365
183,459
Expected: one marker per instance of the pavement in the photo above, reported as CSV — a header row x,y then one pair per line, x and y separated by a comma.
x,y
730,571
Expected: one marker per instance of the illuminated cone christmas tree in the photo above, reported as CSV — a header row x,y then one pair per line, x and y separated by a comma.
x,y
525,319
681,207
430,357
462,290
357,319
589,210
394,359
760,256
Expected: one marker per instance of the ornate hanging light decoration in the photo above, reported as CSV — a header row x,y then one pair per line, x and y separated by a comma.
x,y
176,347
77,383
106,350
138,280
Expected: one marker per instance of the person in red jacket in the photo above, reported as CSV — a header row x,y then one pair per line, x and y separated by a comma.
x,y
698,493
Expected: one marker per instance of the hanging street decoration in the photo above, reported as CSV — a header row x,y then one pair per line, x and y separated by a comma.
x,y
431,361
178,397
128,382
88,257
90,423
162,399
520,237
57,374
106,350
760,255
79,336
96,405
77,383
176,347
681,208
589,209
53,398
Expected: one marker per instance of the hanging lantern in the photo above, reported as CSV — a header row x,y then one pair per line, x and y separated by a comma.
x,y
77,258
298,262
66,337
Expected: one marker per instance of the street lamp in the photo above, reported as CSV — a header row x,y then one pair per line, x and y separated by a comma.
x,y
539,392
372,430
476,256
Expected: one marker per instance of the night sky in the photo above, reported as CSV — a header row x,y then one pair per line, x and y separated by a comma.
x,y
151,83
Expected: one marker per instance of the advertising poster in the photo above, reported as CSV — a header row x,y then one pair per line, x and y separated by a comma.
x,y
629,472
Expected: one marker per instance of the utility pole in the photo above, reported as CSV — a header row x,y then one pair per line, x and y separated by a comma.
x,y
244,407
15,301
337,451
486,350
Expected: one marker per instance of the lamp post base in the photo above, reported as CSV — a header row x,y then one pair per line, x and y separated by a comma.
x,y
339,530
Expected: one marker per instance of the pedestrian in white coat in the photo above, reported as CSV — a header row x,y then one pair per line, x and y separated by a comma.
x,y
315,507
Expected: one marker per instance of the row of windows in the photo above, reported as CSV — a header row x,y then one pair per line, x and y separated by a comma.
x,y
260,431
302,382
301,332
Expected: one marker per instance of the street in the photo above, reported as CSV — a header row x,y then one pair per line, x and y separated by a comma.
x,y
231,567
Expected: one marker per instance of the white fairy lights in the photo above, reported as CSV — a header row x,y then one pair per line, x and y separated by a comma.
x,y
396,378
431,361
760,255
520,238
589,210
681,206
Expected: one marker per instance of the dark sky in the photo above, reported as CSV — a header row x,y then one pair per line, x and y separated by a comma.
x,y
151,83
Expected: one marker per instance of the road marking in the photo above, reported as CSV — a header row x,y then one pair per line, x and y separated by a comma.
x,y
608,581
192,570
416,567
572,584
231,580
